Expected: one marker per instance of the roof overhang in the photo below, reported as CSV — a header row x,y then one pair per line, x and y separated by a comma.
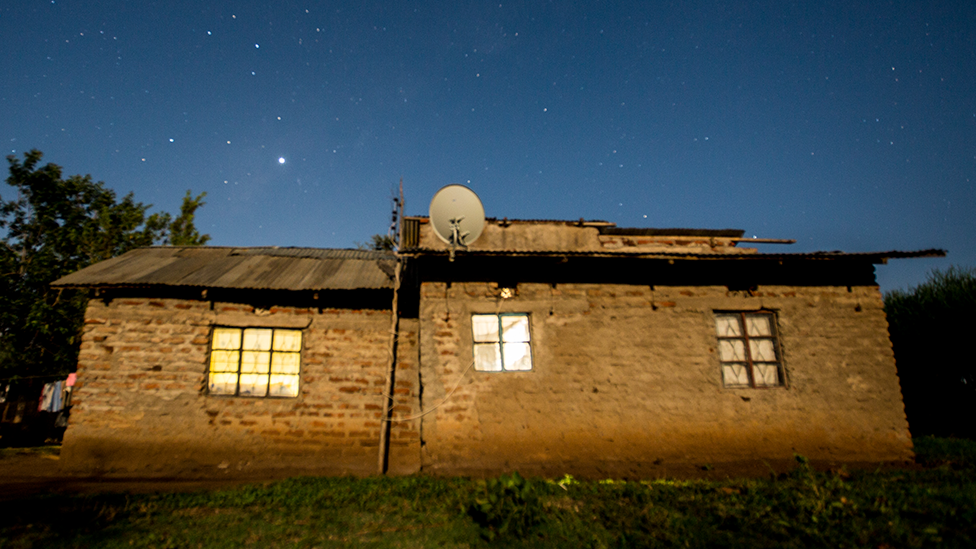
x,y
871,257
264,268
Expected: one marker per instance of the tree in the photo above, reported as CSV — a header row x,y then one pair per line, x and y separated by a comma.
x,y
930,327
379,243
182,232
55,226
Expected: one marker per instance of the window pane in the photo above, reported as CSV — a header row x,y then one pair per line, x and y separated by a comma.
x,y
730,350
515,328
223,361
255,362
735,375
241,360
727,326
486,358
223,384
257,339
226,338
287,340
254,385
766,374
283,386
485,328
285,363
517,356
758,325
762,350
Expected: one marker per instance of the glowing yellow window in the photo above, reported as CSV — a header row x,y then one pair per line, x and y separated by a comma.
x,y
256,362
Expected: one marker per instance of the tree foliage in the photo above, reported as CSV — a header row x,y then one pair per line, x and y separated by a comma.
x,y
52,226
379,243
931,327
182,232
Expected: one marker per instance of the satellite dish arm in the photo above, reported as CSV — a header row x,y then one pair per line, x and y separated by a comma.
x,y
457,237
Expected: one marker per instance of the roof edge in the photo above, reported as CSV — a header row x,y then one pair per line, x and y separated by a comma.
x,y
637,231
873,257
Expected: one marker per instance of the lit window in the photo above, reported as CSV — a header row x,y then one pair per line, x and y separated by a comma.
x,y
255,362
748,350
501,342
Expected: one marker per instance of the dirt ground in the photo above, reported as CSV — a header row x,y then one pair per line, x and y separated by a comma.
x,y
34,471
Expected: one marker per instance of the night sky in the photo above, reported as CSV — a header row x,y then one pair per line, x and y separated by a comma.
x,y
845,125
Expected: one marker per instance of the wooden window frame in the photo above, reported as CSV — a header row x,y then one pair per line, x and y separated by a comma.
x,y
240,352
747,349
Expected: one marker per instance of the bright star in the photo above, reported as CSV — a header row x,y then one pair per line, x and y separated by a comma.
x,y
281,159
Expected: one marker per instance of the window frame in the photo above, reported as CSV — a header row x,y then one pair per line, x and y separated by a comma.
x,y
240,354
500,344
742,315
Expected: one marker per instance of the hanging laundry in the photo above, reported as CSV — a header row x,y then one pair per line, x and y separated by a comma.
x,y
47,393
57,399
52,397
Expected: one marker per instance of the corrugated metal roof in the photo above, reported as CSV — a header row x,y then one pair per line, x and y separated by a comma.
x,y
636,231
266,268
873,257
596,222
607,227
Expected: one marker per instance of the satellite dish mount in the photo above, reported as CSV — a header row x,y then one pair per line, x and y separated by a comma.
x,y
457,216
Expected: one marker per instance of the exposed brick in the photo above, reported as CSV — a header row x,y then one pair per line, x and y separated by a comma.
x,y
138,402
658,378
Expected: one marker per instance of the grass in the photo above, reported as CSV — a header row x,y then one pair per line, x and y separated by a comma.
x,y
44,451
933,506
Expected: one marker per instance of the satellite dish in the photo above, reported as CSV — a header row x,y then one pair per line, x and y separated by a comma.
x,y
457,216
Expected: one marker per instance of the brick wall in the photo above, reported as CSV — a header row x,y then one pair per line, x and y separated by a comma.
x,y
626,381
141,405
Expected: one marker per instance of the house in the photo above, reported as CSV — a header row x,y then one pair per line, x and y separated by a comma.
x,y
209,360
547,347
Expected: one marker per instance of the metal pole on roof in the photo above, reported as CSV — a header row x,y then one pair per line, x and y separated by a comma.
x,y
388,403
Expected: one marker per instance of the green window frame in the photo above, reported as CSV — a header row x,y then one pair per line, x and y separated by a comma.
x,y
502,342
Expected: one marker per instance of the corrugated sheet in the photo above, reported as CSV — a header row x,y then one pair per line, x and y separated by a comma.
x,y
631,231
874,257
579,221
411,232
266,268
605,227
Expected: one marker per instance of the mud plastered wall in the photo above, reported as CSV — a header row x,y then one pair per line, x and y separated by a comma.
x,y
626,380
141,405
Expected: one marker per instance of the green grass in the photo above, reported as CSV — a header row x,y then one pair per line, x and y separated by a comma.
x,y
46,451
956,452
930,507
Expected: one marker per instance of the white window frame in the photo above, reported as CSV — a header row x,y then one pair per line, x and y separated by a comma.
x,y
237,370
498,345
750,346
